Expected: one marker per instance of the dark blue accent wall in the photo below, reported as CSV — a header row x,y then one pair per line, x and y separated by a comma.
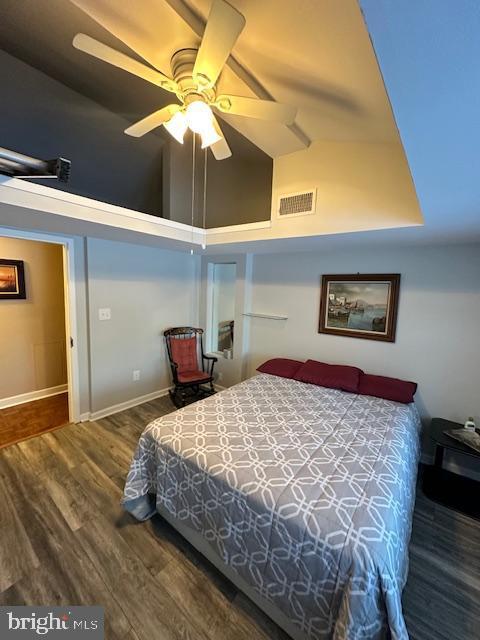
x,y
43,118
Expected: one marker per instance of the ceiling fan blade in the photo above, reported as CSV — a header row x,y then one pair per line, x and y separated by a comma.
x,y
256,108
139,25
220,149
223,27
117,59
152,121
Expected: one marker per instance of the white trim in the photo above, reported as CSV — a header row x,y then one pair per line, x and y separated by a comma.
x,y
209,309
22,398
128,404
68,205
219,387
70,305
247,226
90,203
62,203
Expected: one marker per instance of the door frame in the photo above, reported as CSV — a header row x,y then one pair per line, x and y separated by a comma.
x,y
71,332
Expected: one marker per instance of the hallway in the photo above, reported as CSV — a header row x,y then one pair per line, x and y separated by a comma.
x,y
30,419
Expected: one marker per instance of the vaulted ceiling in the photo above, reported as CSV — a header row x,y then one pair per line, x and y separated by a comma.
x,y
316,54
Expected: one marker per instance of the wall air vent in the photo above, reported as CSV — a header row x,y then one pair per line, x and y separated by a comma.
x,y
296,204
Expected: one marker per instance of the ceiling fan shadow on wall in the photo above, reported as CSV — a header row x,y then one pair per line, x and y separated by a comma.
x,y
195,74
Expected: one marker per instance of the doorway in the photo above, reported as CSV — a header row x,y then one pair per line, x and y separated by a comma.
x,y
37,335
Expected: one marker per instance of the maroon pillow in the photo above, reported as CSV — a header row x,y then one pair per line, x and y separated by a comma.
x,y
334,376
282,367
387,388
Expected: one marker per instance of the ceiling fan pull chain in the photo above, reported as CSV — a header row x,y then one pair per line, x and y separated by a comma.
x,y
193,187
205,164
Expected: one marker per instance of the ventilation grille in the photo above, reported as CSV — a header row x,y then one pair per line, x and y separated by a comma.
x,y
296,204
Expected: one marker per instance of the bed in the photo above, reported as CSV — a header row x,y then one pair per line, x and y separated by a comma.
x,y
302,495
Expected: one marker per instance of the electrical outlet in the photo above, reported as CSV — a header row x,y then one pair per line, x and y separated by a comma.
x,y
219,376
105,314
136,375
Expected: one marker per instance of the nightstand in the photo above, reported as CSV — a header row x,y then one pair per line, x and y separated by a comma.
x,y
450,489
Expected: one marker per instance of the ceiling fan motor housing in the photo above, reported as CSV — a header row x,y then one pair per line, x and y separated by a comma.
x,y
191,89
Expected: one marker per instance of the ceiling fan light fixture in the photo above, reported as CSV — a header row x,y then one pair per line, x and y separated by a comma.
x,y
199,116
177,126
209,136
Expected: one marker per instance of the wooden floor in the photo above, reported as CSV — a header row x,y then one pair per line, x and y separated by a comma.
x,y
64,539
32,418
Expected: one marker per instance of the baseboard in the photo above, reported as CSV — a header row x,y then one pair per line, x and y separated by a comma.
x,y
218,387
12,401
116,408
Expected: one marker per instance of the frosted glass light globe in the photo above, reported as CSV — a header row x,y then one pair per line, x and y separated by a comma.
x,y
199,116
177,126
209,136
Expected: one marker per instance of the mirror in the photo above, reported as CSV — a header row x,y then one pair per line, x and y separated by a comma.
x,y
223,307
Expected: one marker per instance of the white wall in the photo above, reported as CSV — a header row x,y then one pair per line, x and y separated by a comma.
x,y
360,186
148,290
438,330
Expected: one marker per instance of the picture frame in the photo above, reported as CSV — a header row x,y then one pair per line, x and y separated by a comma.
x,y
360,305
12,280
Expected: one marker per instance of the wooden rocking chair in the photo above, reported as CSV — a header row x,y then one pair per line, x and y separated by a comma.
x,y
184,344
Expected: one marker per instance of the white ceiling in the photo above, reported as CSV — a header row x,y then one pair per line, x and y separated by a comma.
x,y
316,55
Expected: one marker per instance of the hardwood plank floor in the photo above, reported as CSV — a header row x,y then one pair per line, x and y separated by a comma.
x,y
64,539
30,419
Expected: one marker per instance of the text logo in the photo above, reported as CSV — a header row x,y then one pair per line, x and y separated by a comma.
x,y
57,623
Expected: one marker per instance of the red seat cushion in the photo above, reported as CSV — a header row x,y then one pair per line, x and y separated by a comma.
x,y
193,376
387,388
334,376
283,367
184,354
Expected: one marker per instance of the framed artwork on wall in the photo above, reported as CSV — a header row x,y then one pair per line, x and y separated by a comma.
x,y
12,280
360,305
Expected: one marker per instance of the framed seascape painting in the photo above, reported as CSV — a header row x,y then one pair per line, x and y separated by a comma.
x,y
12,280
360,305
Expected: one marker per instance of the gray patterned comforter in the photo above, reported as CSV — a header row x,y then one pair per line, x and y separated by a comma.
x,y
306,492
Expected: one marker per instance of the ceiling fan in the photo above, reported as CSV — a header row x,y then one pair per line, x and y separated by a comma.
x,y
195,74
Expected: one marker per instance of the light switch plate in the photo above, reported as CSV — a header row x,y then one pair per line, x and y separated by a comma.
x,y
105,314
